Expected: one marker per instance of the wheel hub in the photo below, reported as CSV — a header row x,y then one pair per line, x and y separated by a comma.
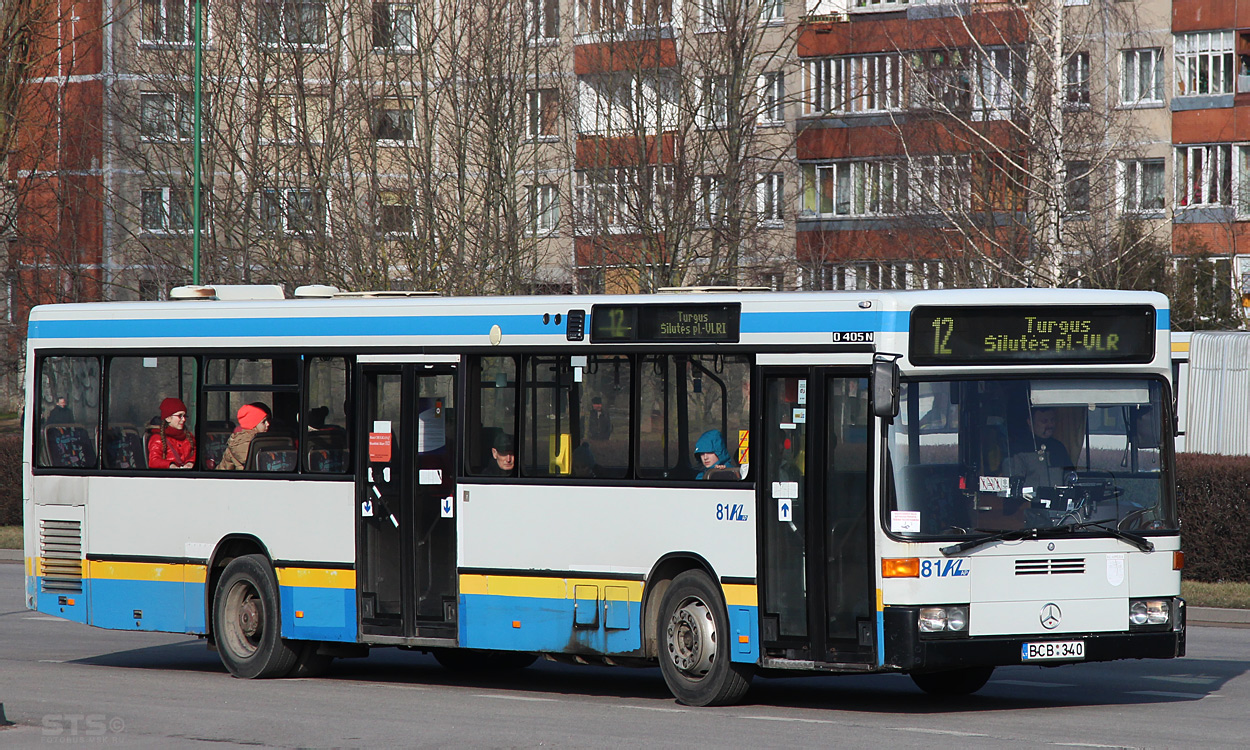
x,y
249,618
691,638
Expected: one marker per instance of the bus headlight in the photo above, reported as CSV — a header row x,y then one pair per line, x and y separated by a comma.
x,y
951,618
1148,612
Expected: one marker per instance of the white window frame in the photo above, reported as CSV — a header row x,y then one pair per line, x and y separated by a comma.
x,y
770,199
1076,80
1074,173
1132,91
772,93
166,225
853,84
614,16
1241,179
542,20
285,199
1131,183
177,118
287,36
1211,52
878,6
999,89
543,209
606,103
401,38
772,11
602,195
714,101
711,15
858,188
941,183
537,102
163,10
713,200
1203,176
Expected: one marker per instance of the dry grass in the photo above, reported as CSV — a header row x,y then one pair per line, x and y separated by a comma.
x,y
1228,595
10,537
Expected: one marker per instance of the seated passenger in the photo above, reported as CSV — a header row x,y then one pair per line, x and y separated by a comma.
x,y
583,461
712,455
253,420
504,453
1045,465
171,445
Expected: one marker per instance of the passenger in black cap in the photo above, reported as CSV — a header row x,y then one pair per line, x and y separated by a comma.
x,y
504,453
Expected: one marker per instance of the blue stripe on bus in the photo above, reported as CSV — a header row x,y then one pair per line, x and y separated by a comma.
x,y
1163,320
407,325
520,623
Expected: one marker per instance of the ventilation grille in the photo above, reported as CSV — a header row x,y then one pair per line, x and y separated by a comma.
x,y
1050,566
60,555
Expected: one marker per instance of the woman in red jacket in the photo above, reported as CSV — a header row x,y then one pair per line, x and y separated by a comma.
x,y
172,446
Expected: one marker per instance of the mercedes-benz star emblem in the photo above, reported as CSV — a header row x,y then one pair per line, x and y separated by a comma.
x,y
1051,615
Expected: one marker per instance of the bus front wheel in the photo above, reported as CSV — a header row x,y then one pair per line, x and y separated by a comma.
x,y
246,621
694,644
953,681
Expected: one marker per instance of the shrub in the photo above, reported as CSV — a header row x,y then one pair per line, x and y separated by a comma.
x,y
1213,493
10,480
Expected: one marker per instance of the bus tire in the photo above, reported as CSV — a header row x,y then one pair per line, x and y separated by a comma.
x,y
694,644
309,663
477,660
964,681
247,621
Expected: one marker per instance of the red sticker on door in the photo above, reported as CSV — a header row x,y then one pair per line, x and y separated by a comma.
x,y
380,447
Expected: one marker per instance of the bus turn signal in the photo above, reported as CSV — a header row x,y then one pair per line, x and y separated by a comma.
x,y
900,567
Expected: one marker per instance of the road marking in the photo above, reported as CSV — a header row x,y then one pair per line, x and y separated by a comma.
x,y
45,619
1081,744
1186,679
516,698
51,661
1166,694
925,730
788,718
1031,683
655,708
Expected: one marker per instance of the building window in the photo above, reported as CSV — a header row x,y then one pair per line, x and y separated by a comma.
x,y
941,183
715,101
1204,63
286,119
543,17
395,214
1141,185
1000,84
712,14
772,10
544,208
1243,180
543,113
606,103
712,200
1203,175
854,188
394,26
1076,80
615,197
858,83
171,117
770,198
1142,76
171,21
393,122
594,16
299,22
773,98
940,80
292,211
1076,187
880,4
166,211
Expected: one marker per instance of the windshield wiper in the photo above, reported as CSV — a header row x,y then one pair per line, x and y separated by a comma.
x,y
1137,540
1012,535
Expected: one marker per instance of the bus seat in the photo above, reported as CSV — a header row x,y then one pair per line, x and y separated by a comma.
x,y
124,448
68,446
271,453
560,453
215,437
327,460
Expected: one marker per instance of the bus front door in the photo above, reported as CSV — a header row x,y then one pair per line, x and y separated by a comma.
x,y
406,543
819,596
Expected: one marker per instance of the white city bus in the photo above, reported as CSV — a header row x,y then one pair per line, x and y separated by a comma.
x,y
931,482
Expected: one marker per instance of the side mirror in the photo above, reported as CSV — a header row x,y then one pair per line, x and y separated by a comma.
x,y
885,388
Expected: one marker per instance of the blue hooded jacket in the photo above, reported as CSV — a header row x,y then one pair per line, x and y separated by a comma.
x,y
712,442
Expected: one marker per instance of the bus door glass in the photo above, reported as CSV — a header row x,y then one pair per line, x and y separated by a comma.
x,y
818,592
405,505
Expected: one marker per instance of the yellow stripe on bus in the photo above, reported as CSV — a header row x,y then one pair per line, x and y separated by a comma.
x,y
140,571
540,588
317,578
1180,346
740,594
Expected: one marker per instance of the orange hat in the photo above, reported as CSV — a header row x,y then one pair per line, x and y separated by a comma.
x,y
250,416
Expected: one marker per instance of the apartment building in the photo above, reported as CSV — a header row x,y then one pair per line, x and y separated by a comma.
x,y
524,146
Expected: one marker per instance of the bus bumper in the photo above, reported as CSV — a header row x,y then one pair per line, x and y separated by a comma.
x,y
907,651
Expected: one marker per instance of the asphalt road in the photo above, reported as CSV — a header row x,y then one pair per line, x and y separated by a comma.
x,y
67,684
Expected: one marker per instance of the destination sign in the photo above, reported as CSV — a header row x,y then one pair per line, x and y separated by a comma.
x,y
665,323
1011,334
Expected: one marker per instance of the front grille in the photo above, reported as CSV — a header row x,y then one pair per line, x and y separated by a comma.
x,y
1043,566
60,556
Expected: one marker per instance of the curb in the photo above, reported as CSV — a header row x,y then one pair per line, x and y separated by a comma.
x,y
10,555
1216,616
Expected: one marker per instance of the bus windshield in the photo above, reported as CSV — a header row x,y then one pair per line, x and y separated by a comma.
x,y
969,457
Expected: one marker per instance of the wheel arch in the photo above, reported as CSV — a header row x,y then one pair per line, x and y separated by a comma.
x,y
228,548
662,574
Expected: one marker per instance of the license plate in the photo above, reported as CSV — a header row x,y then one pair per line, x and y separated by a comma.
x,y
1053,650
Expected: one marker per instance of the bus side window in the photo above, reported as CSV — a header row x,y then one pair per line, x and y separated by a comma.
x,y
69,412
682,399
326,443
493,412
547,431
136,386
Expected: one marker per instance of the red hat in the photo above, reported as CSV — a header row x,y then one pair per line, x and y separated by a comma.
x,y
171,406
250,416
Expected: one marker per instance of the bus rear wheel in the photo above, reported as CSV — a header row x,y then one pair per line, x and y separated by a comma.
x,y
694,644
964,681
246,621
